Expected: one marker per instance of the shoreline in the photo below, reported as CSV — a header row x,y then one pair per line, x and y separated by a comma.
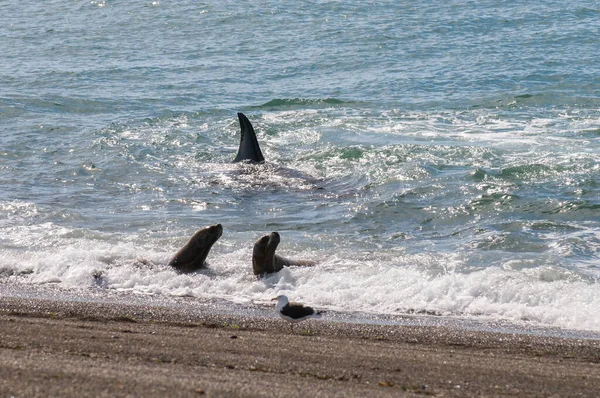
x,y
205,306
69,348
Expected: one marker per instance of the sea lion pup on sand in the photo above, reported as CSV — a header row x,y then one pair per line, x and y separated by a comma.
x,y
264,259
192,256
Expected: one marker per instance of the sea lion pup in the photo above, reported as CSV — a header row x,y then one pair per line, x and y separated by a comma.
x,y
264,259
192,256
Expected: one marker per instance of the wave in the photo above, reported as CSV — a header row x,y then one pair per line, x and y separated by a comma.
x,y
537,100
394,282
292,102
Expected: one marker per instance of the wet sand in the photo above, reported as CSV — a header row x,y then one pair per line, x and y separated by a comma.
x,y
70,348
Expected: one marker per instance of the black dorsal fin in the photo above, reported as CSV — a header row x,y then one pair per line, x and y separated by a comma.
x,y
249,149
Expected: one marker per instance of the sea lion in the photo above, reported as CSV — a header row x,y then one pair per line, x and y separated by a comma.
x,y
264,259
192,256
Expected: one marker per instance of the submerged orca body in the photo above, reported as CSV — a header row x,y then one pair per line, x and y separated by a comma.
x,y
249,149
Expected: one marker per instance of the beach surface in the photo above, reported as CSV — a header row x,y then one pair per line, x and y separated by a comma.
x,y
78,348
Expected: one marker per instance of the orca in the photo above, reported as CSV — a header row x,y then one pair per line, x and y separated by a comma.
x,y
249,156
249,149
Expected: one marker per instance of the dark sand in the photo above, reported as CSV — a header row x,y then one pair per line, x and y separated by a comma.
x,y
70,348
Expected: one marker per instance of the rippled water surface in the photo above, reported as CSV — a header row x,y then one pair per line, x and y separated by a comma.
x,y
433,158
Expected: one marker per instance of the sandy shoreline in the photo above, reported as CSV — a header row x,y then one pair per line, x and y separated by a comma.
x,y
69,348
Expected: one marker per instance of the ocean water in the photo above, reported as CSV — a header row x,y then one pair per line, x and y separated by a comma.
x,y
434,158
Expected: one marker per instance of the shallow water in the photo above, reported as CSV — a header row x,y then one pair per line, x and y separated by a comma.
x,y
438,159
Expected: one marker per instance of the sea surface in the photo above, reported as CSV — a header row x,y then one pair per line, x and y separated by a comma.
x,y
435,158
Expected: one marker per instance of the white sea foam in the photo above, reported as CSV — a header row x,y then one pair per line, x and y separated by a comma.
x,y
375,282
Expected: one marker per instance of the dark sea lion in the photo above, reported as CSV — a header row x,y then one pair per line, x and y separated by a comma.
x,y
192,256
264,259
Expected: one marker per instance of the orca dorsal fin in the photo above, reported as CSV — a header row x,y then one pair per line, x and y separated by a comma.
x,y
249,149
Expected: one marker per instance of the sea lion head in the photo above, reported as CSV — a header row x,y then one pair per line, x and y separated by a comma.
x,y
263,254
206,237
213,232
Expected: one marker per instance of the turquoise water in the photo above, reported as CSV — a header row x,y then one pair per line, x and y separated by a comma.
x,y
434,158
